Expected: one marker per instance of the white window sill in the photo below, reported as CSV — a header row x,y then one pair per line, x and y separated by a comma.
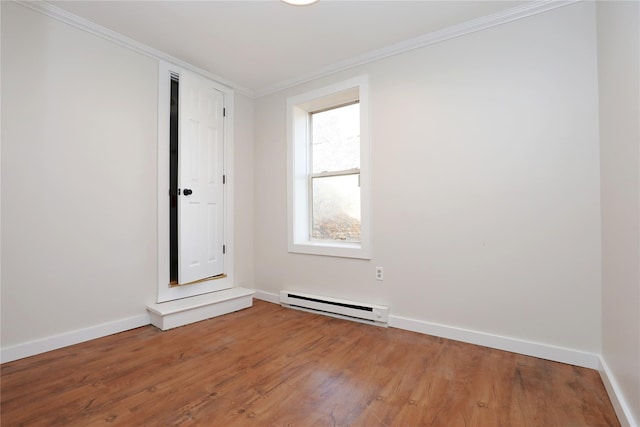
x,y
344,250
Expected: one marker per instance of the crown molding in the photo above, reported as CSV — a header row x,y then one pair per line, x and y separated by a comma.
x,y
479,24
105,33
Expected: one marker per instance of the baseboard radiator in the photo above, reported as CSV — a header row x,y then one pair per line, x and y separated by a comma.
x,y
344,309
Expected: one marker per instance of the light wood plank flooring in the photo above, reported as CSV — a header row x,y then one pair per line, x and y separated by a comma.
x,y
271,366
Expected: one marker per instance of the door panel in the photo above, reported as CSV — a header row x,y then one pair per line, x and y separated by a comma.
x,y
200,169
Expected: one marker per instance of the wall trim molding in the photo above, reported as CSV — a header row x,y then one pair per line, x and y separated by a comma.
x,y
514,345
42,345
267,296
623,410
528,9
91,27
472,26
527,348
558,354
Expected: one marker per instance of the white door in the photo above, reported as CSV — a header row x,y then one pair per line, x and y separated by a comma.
x,y
200,180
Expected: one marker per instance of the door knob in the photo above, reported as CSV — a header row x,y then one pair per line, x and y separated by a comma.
x,y
187,191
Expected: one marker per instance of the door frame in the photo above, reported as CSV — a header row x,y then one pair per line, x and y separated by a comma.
x,y
166,292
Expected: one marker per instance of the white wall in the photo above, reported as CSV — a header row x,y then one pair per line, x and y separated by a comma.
x,y
485,185
619,74
243,191
78,178
79,165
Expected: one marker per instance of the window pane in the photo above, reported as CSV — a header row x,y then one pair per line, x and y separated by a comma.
x,y
336,208
336,139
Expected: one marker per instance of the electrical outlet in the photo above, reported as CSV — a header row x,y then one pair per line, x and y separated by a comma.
x,y
379,273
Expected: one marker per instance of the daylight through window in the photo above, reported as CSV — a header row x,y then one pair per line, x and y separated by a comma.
x,y
335,174
328,171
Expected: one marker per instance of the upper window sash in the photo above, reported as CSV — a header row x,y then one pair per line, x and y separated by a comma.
x,y
354,171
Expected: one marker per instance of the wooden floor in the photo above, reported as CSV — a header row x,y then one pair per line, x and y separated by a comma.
x,y
271,366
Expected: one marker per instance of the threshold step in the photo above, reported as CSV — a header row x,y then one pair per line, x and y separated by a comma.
x,y
172,314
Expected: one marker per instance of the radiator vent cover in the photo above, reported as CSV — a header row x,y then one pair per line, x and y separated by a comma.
x,y
344,309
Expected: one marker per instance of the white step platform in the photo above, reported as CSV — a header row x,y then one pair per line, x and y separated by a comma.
x,y
171,314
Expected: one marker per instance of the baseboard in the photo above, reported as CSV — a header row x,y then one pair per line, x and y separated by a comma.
x,y
55,342
267,296
558,354
623,411
527,348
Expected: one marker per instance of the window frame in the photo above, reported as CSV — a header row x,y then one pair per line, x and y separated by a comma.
x,y
299,172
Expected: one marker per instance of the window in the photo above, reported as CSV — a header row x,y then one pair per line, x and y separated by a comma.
x,y
328,181
335,173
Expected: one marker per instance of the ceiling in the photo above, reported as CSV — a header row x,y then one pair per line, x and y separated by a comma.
x,y
260,45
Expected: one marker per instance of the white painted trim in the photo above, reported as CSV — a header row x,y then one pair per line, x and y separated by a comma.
x,y
182,312
166,293
267,296
528,348
91,27
298,169
186,304
620,405
55,342
479,24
